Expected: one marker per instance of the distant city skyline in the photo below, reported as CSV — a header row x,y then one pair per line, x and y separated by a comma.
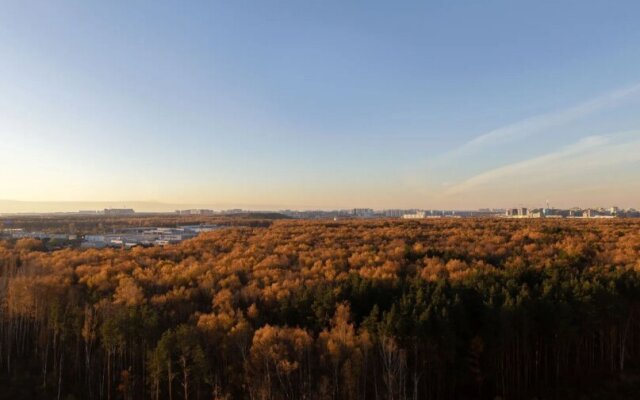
x,y
325,105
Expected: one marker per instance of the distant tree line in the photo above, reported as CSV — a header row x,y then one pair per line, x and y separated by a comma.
x,y
95,224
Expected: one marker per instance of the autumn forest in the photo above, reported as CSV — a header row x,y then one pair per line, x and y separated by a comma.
x,y
360,309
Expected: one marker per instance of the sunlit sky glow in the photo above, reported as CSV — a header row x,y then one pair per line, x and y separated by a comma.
x,y
319,104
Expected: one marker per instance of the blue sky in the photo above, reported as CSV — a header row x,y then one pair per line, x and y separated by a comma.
x,y
321,104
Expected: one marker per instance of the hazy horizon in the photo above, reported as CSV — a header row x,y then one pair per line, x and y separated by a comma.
x,y
319,105
27,207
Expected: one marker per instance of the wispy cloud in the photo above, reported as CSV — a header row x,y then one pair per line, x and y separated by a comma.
x,y
452,166
549,120
594,152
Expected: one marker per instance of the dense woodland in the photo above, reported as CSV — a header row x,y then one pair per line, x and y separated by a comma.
x,y
442,309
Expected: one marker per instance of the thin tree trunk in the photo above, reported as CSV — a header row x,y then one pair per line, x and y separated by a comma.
x,y
109,375
60,375
185,378
170,378
44,366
